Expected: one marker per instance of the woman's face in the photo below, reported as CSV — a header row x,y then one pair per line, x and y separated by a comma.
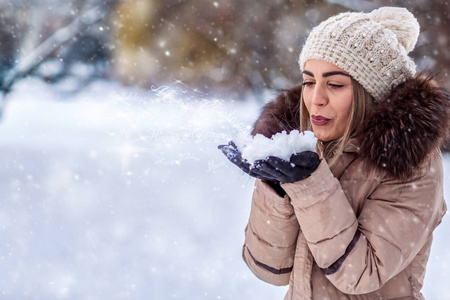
x,y
327,94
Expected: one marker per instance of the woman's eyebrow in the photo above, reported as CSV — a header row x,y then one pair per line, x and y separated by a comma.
x,y
326,74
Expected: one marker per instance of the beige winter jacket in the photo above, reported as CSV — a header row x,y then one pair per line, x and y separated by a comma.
x,y
356,231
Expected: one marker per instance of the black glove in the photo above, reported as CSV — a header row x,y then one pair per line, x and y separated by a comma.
x,y
300,166
234,155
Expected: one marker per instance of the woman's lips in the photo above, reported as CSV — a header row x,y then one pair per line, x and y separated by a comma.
x,y
319,120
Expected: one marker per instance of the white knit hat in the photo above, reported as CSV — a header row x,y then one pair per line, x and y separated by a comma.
x,y
372,47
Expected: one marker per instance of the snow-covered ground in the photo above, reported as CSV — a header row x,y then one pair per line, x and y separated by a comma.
x,y
120,193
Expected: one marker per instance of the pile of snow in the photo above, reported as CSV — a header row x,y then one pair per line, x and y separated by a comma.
x,y
281,145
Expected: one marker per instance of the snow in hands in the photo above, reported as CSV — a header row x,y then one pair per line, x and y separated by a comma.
x,y
281,145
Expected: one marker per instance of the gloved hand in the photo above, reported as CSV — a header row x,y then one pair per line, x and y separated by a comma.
x,y
300,166
234,155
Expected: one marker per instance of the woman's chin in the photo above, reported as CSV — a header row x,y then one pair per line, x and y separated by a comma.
x,y
321,135
326,133
326,137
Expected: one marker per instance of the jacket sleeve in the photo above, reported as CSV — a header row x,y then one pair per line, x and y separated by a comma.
x,y
270,235
359,255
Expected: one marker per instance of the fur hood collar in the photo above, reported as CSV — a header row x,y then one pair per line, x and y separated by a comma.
x,y
397,136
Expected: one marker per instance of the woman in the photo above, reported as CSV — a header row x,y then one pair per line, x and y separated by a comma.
x,y
355,220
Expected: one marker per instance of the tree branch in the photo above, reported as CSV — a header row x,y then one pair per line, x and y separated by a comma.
x,y
45,49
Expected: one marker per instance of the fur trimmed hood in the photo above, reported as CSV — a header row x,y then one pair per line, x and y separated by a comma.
x,y
397,136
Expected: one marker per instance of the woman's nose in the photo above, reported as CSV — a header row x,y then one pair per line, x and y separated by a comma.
x,y
319,96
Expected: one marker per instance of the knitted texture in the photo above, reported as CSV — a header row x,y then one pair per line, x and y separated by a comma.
x,y
372,47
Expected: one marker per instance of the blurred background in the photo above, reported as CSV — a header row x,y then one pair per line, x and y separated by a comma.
x,y
225,45
111,184
217,47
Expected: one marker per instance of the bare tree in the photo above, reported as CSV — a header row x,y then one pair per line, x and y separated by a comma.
x,y
30,61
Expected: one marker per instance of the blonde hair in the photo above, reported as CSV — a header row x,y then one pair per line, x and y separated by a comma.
x,y
361,107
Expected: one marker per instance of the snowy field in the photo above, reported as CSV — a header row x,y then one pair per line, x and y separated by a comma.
x,y
120,193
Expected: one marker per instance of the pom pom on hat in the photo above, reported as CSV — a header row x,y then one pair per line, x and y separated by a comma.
x,y
401,22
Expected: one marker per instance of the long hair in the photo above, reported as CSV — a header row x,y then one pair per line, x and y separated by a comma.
x,y
361,106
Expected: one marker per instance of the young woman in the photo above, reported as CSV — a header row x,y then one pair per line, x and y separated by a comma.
x,y
354,220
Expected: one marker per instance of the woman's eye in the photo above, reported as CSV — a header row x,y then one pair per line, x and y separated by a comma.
x,y
307,83
336,85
